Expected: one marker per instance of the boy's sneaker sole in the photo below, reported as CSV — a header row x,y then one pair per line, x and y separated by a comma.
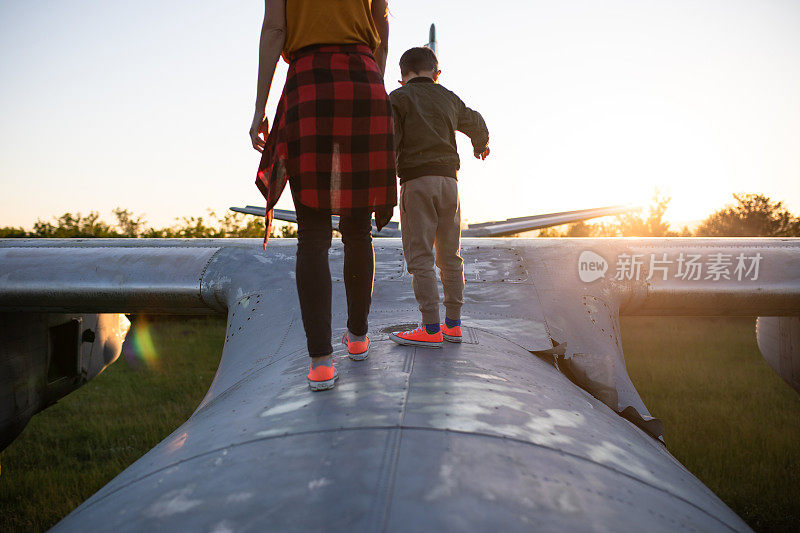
x,y
323,385
358,356
451,338
408,342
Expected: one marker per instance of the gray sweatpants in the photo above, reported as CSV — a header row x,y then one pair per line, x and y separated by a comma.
x,y
430,217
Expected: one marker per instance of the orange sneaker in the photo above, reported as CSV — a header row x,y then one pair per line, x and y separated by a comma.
x,y
451,334
322,378
356,350
418,337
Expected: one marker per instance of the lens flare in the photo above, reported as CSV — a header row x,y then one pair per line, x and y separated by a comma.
x,y
141,350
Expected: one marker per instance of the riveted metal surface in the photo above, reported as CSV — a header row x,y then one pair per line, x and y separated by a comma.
x,y
474,483
478,435
389,264
493,264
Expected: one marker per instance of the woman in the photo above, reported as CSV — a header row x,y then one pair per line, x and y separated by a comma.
x,y
332,138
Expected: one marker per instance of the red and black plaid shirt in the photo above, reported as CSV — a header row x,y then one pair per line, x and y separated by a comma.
x,y
333,133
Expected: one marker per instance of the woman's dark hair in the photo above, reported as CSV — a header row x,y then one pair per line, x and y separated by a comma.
x,y
418,59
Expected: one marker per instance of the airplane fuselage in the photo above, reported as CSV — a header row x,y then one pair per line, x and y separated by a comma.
x,y
475,436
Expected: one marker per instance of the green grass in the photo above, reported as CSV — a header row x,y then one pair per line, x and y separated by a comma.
x,y
728,417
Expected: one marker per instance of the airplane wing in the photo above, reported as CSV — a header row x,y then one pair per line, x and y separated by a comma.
x,y
392,229
278,214
513,226
462,439
501,228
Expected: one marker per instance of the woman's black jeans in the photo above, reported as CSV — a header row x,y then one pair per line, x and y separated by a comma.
x,y
314,275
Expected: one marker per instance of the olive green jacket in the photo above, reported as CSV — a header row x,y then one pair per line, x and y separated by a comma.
x,y
426,117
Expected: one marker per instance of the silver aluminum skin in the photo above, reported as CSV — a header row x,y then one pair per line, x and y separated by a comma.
x,y
478,436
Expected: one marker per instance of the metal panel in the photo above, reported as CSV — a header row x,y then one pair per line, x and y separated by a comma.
x,y
779,343
480,434
468,437
102,279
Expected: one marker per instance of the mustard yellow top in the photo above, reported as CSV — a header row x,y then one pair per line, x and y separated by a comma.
x,y
329,22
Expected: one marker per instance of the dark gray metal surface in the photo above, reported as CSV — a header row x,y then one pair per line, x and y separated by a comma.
x,y
432,39
779,343
102,279
37,368
475,436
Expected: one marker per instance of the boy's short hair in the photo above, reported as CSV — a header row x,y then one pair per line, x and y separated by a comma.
x,y
418,59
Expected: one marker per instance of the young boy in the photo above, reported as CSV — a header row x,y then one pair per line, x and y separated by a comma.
x,y
426,117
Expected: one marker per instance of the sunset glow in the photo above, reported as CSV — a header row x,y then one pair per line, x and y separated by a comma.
x,y
147,105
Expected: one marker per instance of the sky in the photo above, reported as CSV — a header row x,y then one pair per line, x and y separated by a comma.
x,y
146,105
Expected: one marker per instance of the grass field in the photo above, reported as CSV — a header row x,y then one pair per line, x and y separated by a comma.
x,y
728,418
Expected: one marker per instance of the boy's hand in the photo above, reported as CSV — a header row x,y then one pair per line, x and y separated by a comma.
x,y
482,155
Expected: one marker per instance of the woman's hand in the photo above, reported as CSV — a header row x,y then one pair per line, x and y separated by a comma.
x,y
260,125
382,216
273,36
380,15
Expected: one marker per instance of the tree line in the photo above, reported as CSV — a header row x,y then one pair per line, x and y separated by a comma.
x,y
749,215
132,226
